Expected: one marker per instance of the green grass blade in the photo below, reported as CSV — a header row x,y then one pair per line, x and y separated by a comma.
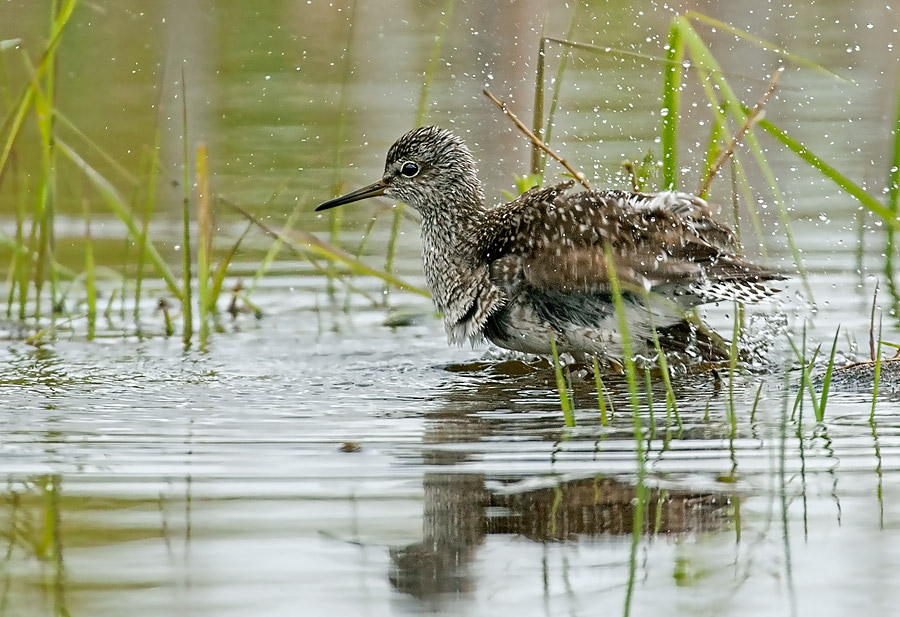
x,y
537,120
323,249
320,248
805,378
631,376
557,86
218,278
107,312
671,407
648,396
766,45
204,240
630,370
120,208
19,251
605,49
877,377
671,104
755,406
538,156
601,401
826,382
747,193
90,277
893,200
187,308
46,120
561,385
275,247
108,159
893,181
14,120
867,201
732,368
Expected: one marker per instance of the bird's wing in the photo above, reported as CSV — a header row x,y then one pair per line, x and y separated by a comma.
x,y
555,241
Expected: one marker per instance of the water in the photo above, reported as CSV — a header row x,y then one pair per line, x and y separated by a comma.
x,y
318,461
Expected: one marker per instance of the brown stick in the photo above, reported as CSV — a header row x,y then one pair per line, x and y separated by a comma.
x,y
751,118
536,140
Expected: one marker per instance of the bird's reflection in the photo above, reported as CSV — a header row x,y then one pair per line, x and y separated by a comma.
x,y
462,509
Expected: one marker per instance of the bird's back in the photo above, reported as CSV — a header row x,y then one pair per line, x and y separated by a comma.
x,y
547,254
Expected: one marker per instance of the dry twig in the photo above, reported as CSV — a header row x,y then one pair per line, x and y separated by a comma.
x,y
537,140
751,118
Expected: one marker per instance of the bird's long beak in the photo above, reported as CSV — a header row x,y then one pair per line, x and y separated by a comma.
x,y
373,190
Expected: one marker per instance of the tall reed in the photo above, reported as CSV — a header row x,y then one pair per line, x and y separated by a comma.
x,y
187,310
90,276
893,206
204,242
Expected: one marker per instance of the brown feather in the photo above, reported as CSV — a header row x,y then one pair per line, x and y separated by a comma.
x,y
660,240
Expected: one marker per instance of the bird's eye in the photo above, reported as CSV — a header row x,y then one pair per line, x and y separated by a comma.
x,y
409,169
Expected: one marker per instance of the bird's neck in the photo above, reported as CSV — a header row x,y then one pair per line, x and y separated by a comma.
x,y
450,253
450,232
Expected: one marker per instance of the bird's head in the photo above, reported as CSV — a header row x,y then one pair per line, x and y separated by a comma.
x,y
428,168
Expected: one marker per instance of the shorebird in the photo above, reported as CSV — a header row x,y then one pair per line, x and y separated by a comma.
x,y
519,273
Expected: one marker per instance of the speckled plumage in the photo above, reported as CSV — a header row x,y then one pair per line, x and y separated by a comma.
x,y
516,273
